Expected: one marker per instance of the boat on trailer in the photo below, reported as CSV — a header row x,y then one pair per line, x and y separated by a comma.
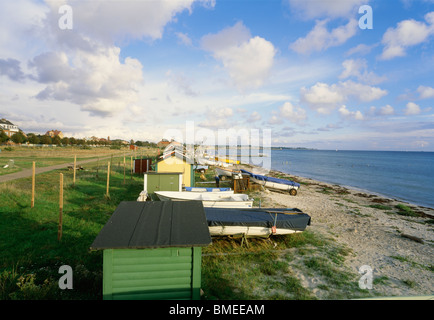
x,y
209,199
274,183
255,222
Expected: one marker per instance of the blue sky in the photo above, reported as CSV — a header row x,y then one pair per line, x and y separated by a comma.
x,y
144,69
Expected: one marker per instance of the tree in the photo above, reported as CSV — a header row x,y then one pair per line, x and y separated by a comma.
x,y
57,140
65,141
46,139
32,138
18,138
3,136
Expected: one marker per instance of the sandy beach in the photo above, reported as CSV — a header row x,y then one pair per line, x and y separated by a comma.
x,y
396,247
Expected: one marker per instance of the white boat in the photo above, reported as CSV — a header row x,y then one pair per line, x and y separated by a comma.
x,y
255,222
226,172
209,199
204,189
274,183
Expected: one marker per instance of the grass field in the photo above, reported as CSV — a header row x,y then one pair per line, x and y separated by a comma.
x,y
31,254
23,157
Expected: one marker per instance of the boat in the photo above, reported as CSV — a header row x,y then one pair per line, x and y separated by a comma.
x,y
226,172
227,160
255,222
209,199
204,189
274,183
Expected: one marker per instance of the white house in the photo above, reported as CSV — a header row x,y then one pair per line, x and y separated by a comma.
x,y
8,127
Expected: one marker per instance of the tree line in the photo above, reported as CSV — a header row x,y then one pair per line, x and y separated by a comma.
x,y
33,138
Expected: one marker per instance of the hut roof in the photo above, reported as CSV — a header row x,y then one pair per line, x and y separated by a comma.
x,y
154,224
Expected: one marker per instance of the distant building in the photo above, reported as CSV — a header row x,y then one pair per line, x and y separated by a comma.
x,y
54,133
8,127
163,144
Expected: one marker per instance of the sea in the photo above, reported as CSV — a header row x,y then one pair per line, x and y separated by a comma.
x,y
407,176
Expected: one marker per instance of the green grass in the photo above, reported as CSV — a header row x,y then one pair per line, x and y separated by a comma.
x,y
270,268
31,254
405,210
380,206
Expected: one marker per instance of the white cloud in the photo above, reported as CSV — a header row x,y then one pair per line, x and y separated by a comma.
x,y
412,109
311,9
361,49
274,119
425,92
362,92
292,113
184,38
255,116
247,59
324,98
320,39
97,81
111,21
218,118
386,110
406,34
357,115
357,68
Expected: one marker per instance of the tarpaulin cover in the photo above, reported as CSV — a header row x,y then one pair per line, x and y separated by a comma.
x,y
206,189
271,179
155,224
295,219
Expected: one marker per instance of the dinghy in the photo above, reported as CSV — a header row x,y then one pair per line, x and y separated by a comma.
x,y
255,222
226,172
274,183
204,189
209,199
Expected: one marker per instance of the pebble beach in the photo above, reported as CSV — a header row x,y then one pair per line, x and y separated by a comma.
x,y
396,244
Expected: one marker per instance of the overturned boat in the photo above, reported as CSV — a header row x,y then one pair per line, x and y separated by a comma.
x,y
209,199
274,183
255,222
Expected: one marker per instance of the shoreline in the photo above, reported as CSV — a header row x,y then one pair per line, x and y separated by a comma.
x,y
398,245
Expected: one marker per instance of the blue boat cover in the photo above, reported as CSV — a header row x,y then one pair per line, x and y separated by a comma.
x,y
294,219
207,189
271,179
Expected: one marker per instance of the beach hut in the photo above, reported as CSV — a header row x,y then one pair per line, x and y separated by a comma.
x,y
142,165
153,250
161,181
176,162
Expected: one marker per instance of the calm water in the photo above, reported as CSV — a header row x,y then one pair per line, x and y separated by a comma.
x,y
407,176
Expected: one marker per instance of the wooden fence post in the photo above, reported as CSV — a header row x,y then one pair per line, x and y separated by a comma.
x,y
108,179
75,164
59,231
124,169
131,167
33,185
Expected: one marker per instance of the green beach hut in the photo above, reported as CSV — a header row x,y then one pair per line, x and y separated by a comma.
x,y
153,250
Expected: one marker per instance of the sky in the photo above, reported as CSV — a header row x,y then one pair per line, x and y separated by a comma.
x,y
331,74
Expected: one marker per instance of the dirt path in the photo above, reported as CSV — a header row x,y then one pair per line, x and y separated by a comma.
x,y
28,172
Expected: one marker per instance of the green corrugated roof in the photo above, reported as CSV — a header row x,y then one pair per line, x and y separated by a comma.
x,y
154,224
